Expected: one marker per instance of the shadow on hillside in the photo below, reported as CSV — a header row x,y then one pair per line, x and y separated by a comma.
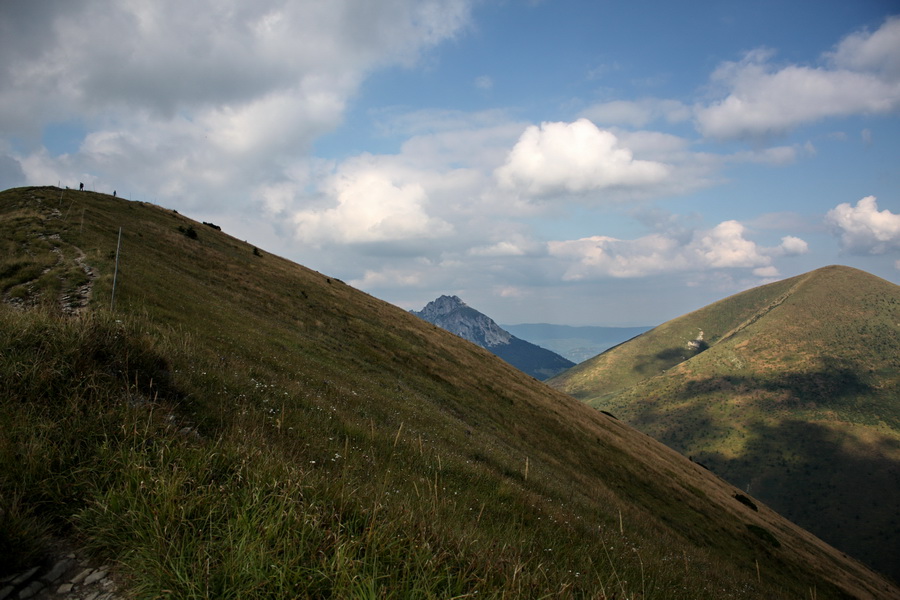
x,y
833,381
843,489
653,364
680,426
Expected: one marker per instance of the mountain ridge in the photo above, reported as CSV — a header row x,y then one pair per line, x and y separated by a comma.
x,y
793,396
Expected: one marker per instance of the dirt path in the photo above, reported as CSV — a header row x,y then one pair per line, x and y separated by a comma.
x,y
75,301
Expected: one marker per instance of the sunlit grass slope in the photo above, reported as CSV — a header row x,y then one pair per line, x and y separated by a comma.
x,y
792,392
239,426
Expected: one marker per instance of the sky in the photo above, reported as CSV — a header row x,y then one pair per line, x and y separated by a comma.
x,y
576,162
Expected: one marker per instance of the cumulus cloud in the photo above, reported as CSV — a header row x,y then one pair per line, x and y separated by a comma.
x,y
574,158
220,96
877,52
861,77
725,246
863,229
370,204
792,246
170,55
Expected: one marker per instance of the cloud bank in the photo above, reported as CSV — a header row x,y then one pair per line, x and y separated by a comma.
x,y
204,93
861,76
725,246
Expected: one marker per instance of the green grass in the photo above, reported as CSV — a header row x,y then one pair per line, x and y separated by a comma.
x,y
98,454
243,427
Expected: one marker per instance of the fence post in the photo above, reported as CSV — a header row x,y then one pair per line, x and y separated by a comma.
x,y
112,304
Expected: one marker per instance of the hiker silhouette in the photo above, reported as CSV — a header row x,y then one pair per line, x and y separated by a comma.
x,y
81,187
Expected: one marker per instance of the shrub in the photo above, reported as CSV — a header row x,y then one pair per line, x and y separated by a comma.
x,y
746,501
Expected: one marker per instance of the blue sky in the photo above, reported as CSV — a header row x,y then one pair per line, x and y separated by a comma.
x,y
571,162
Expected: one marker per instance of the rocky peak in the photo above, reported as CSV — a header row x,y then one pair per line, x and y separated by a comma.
x,y
441,306
454,315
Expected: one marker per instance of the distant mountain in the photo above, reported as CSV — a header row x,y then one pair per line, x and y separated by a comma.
x,y
790,391
454,315
575,343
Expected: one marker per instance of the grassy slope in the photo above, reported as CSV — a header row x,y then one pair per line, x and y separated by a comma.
x,y
244,427
795,399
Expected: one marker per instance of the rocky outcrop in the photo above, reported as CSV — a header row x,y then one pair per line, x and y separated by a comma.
x,y
454,315
68,577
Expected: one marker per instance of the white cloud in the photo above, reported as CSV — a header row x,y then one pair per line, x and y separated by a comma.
x,y
766,272
370,201
574,158
602,256
863,229
725,246
877,52
170,55
792,246
197,100
862,77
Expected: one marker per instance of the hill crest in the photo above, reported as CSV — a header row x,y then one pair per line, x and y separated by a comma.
x,y
790,394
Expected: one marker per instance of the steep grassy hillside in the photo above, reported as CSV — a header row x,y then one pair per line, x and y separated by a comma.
x,y
238,426
790,391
